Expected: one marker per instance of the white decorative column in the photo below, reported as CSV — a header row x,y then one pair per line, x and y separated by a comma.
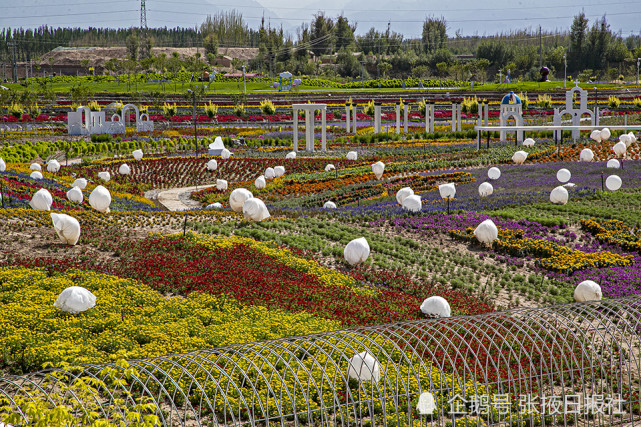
x,y
398,117
309,130
295,130
487,114
324,129
354,121
377,117
459,120
406,117
454,116
347,119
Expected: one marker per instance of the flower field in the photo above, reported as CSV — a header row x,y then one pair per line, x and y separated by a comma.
x,y
174,281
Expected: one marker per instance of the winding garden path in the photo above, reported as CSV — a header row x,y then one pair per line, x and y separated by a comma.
x,y
177,199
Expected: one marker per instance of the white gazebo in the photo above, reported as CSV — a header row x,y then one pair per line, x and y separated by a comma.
x,y
309,125
511,107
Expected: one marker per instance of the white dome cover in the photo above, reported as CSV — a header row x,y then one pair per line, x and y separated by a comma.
x,y
494,173
105,176
215,206
587,291
559,195
436,306
486,232
255,210
625,138
329,205
620,148
270,173
218,144
53,166
35,175
330,167
291,155
67,228
403,193
563,175
212,165
35,167
225,154
412,203
519,157
485,189
41,200
633,137
124,169
238,197
137,154
356,251
426,404
100,199
279,171
529,142
221,184
75,299
75,195
3,165
586,155
81,183
447,191
260,183
352,155
364,367
596,135
378,168
613,164
613,182
605,134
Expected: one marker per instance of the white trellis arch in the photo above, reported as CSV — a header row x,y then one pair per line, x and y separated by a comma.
x,y
309,125
575,113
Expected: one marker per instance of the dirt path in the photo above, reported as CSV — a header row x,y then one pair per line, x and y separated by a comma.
x,y
178,199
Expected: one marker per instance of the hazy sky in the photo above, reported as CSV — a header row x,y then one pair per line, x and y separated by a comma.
x,y
405,16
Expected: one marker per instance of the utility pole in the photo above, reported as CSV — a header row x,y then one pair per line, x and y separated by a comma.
x,y
540,48
12,44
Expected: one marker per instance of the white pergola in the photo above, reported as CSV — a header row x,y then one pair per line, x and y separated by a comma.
x,y
309,125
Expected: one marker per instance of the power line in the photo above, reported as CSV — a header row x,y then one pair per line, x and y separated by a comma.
x,y
69,14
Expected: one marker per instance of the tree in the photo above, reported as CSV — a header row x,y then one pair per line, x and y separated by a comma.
x,y
578,44
385,68
321,34
497,53
344,34
133,43
434,34
211,44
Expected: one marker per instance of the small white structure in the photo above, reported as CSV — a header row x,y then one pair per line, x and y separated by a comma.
x,y
105,176
53,166
269,173
291,155
620,147
412,203
260,183
212,165
596,135
41,200
329,205
494,173
67,228
221,184
605,134
587,291
613,164
426,403
436,307
225,154
586,155
575,113
137,154
75,195
364,367
309,125
3,165
36,175
563,175
447,191
238,197
485,189
356,251
519,157
214,206
352,155
124,169
75,299
100,199
35,167
529,142
216,148
559,196
613,182
255,210
279,171
511,106
486,232
378,168
81,183
330,167
403,193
